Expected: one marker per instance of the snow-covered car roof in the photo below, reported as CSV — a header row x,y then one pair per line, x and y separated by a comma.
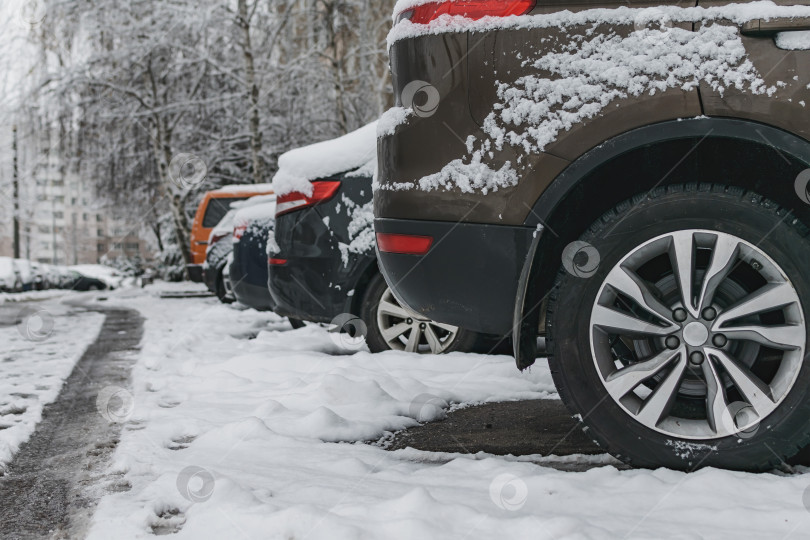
x,y
297,168
738,13
225,225
242,188
6,268
26,271
264,211
108,275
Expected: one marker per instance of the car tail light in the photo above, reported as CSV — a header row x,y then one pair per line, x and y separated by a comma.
x,y
408,244
276,262
239,231
216,238
321,191
471,9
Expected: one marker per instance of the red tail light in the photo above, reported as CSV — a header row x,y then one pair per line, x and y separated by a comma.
x,y
471,9
239,231
276,262
321,191
216,238
408,244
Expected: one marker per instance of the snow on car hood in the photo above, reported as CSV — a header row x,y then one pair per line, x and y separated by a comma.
x,y
300,166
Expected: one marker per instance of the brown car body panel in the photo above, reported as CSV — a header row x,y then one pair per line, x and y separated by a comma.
x,y
784,109
473,63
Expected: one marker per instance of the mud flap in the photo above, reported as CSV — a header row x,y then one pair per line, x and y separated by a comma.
x,y
526,318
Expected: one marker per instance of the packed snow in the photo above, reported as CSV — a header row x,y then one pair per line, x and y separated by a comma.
x,y
243,427
793,41
36,356
297,168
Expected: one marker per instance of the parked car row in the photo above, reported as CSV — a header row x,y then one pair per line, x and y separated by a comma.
x,y
22,275
309,253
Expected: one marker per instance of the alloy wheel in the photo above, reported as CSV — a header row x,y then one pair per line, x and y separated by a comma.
x,y
404,330
698,334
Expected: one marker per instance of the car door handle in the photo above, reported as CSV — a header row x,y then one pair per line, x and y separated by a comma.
x,y
769,27
202,243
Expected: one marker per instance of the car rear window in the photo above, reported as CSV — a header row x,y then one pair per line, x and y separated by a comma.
x,y
217,208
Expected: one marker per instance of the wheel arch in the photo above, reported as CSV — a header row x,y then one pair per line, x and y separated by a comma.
x,y
760,158
355,301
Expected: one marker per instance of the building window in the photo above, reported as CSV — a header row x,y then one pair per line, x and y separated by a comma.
x,y
44,229
101,248
132,245
85,217
98,219
59,215
59,199
117,245
99,232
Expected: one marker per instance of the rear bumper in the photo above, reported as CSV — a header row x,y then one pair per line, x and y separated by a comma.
x,y
195,272
250,287
302,289
468,278
252,296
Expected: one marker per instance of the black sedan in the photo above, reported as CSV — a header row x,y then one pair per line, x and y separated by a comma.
x,y
323,268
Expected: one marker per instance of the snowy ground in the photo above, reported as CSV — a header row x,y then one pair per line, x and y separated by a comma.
x,y
36,356
245,428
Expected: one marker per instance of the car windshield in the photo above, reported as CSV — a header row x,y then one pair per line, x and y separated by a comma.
x,y
217,208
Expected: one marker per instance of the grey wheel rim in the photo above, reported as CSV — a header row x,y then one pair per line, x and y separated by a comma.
x,y
404,330
698,334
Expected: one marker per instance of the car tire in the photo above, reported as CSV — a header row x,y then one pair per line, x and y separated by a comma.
x,y
221,293
741,403
378,293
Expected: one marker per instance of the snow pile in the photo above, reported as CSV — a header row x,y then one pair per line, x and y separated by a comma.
x,y
793,41
36,356
361,229
590,73
300,166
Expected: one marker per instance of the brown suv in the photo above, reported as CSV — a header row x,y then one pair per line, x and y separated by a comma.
x,y
630,183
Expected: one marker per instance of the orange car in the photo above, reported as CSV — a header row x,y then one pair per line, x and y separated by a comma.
x,y
213,207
